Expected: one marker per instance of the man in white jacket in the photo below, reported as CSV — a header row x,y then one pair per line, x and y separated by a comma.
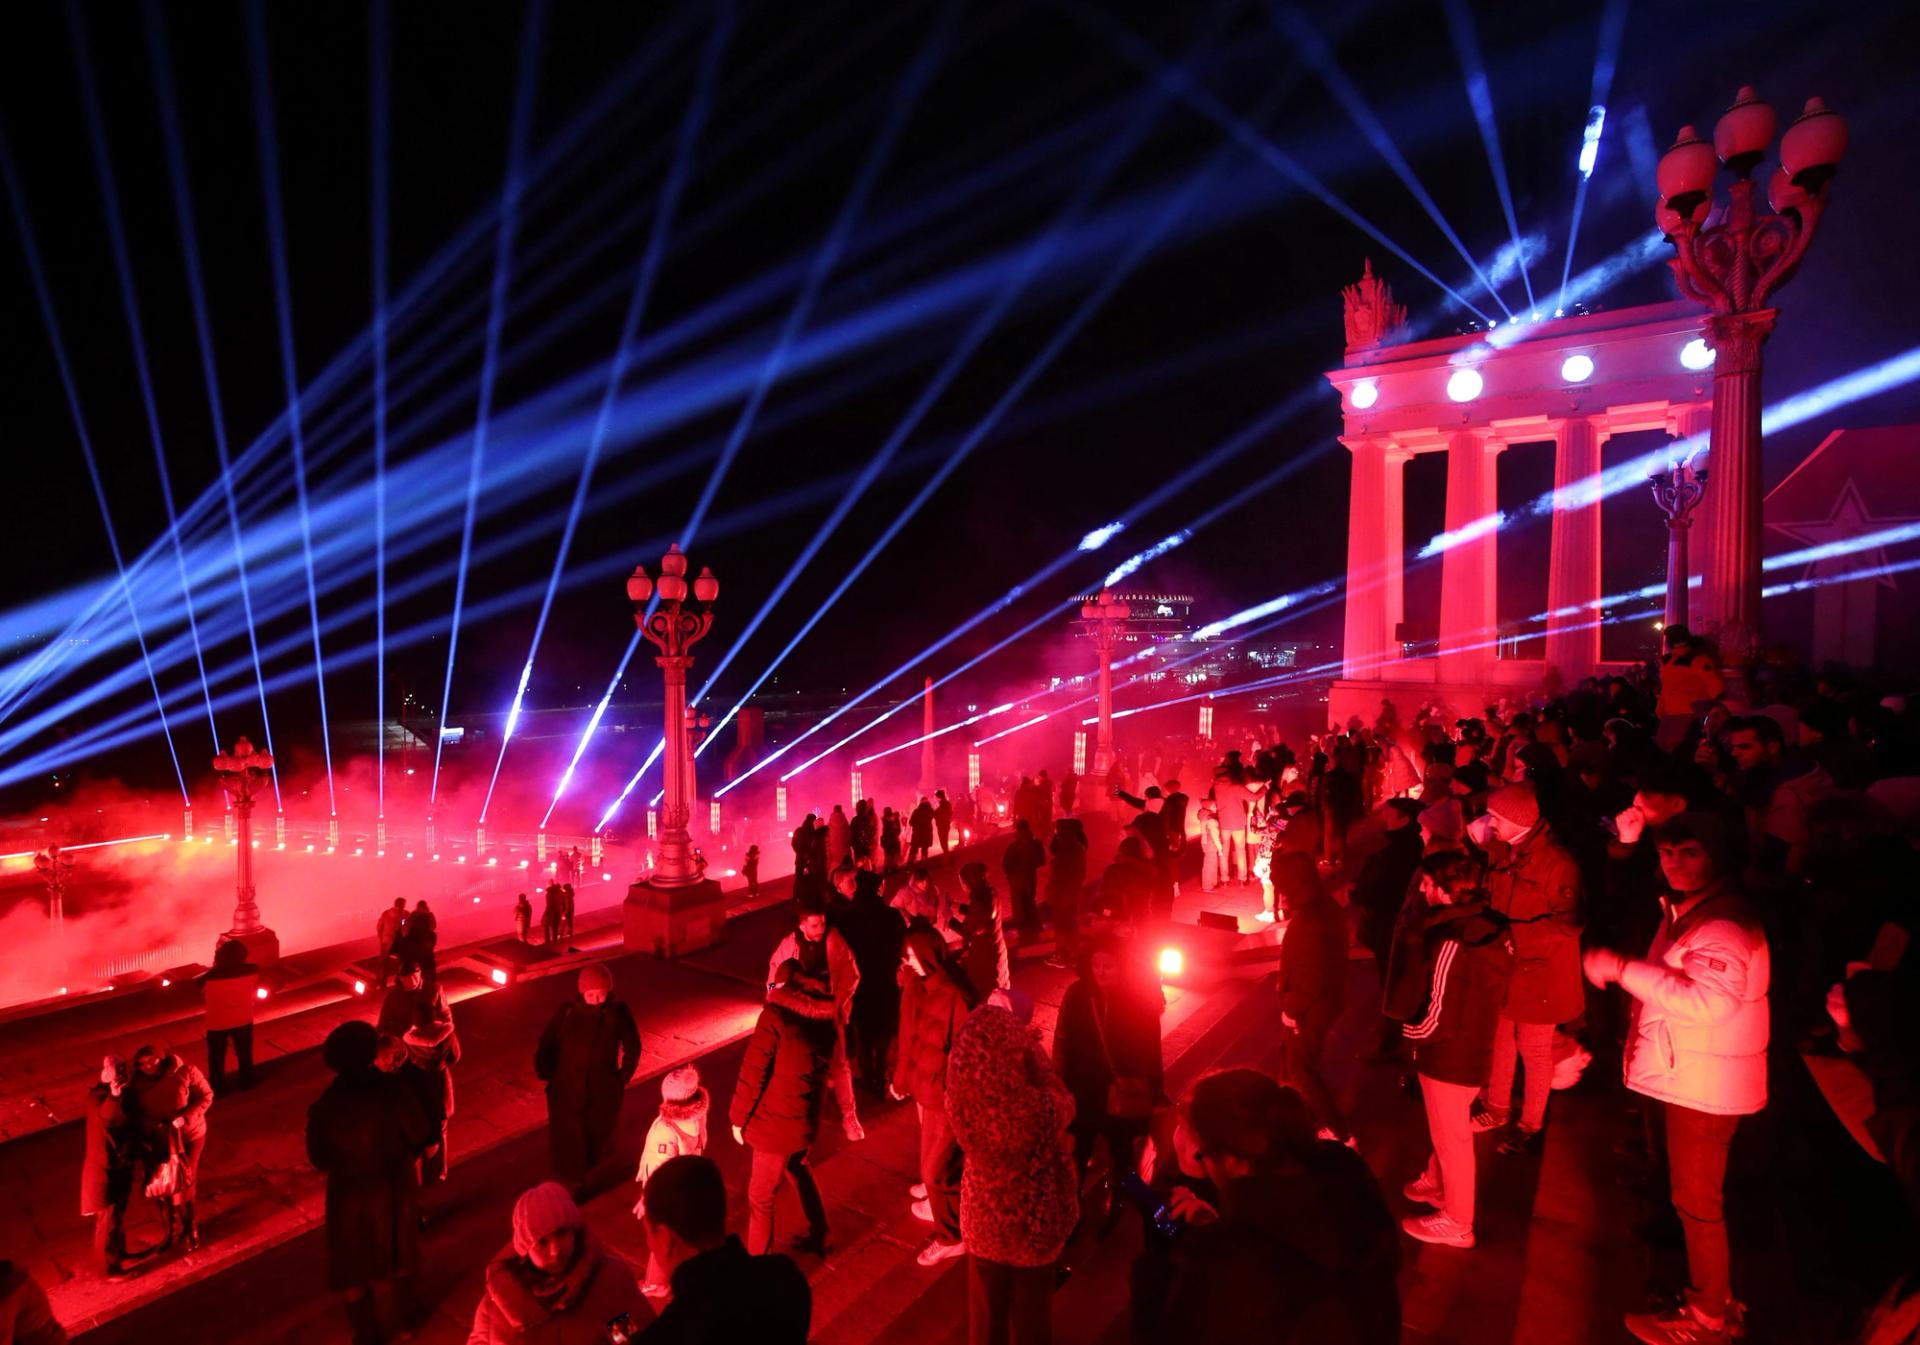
x,y
1698,1045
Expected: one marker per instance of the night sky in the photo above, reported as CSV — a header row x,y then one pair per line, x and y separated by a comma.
x,y
1030,115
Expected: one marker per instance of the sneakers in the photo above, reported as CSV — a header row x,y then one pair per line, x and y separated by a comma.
x,y
1523,1143
1482,1117
1438,1229
1060,962
918,1190
923,1210
937,1251
855,1131
1675,1326
1423,1192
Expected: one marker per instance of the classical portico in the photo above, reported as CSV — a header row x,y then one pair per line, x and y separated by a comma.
x,y
1572,381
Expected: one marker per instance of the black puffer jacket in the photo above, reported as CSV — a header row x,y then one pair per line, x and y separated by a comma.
x,y
1447,983
1313,961
783,1077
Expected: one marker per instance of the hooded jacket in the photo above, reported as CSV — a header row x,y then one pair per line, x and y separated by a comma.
x,y
1447,983
783,1077
1699,1036
1018,1200
680,1128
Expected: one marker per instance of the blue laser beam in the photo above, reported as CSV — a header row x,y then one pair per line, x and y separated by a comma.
x,y
130,306
23,226
1613,21
517,136
690,128
283,306
174,144
379,130
1466,43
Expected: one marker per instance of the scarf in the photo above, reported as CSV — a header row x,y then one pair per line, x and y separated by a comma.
x,y
528,1296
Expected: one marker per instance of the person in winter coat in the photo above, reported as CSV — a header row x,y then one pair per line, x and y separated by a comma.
x,y
935,998
419,937
106,1173
943,819
839,838
777,1102
1312,982
1381,890
1018,1196
889,840
26,1318
1534,882
555,1284
1021,862
721,1294
750,870
1173,821
824,951
1698,1048
679,1129
364,1133
1210,854
1449,981
522,919
551,915
1106,1050
1069,790
1301,1249
873,930
169,1101
1129,886
920,833
386,932
228,992
433,1049
587,1053
400,1007
983,950
1066,880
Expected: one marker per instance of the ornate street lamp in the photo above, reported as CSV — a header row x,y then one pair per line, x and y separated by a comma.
x,y
55,868
242,772
674,629
1676,491
1104,616
1732,260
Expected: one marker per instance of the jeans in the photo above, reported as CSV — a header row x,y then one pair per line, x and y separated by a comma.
x,y
1697,1145
841,1071
1233,855
770,1169
940,1171
1451,1167
1301,1049
110,1223
1008,1305
217,1039
1533,1043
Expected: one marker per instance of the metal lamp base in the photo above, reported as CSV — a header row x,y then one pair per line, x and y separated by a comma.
x,y
674,921
263,946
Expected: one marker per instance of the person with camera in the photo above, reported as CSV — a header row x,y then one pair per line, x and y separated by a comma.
x,y
556,1283
106,1174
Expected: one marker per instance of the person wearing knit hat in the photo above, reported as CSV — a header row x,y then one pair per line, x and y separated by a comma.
x,y
363,1133
680,1128
554,1281
587,1053
1443,825
1536,885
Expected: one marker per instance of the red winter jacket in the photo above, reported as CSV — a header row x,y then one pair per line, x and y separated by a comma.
x,y
1537,887
783,1077
932,1008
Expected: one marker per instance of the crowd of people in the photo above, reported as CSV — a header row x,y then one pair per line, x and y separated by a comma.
x,y
1717,905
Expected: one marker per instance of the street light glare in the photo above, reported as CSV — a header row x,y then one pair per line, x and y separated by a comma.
x,y
1697,354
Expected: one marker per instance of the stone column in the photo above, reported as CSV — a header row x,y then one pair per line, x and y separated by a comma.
x,y
1573,571
1731,590
1368,633
1467,576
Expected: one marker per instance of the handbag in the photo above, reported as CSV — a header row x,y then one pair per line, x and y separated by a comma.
x,y
1129,1097
166,1180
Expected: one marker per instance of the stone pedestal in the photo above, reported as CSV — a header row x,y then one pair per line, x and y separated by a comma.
x,y
263,946
674,921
